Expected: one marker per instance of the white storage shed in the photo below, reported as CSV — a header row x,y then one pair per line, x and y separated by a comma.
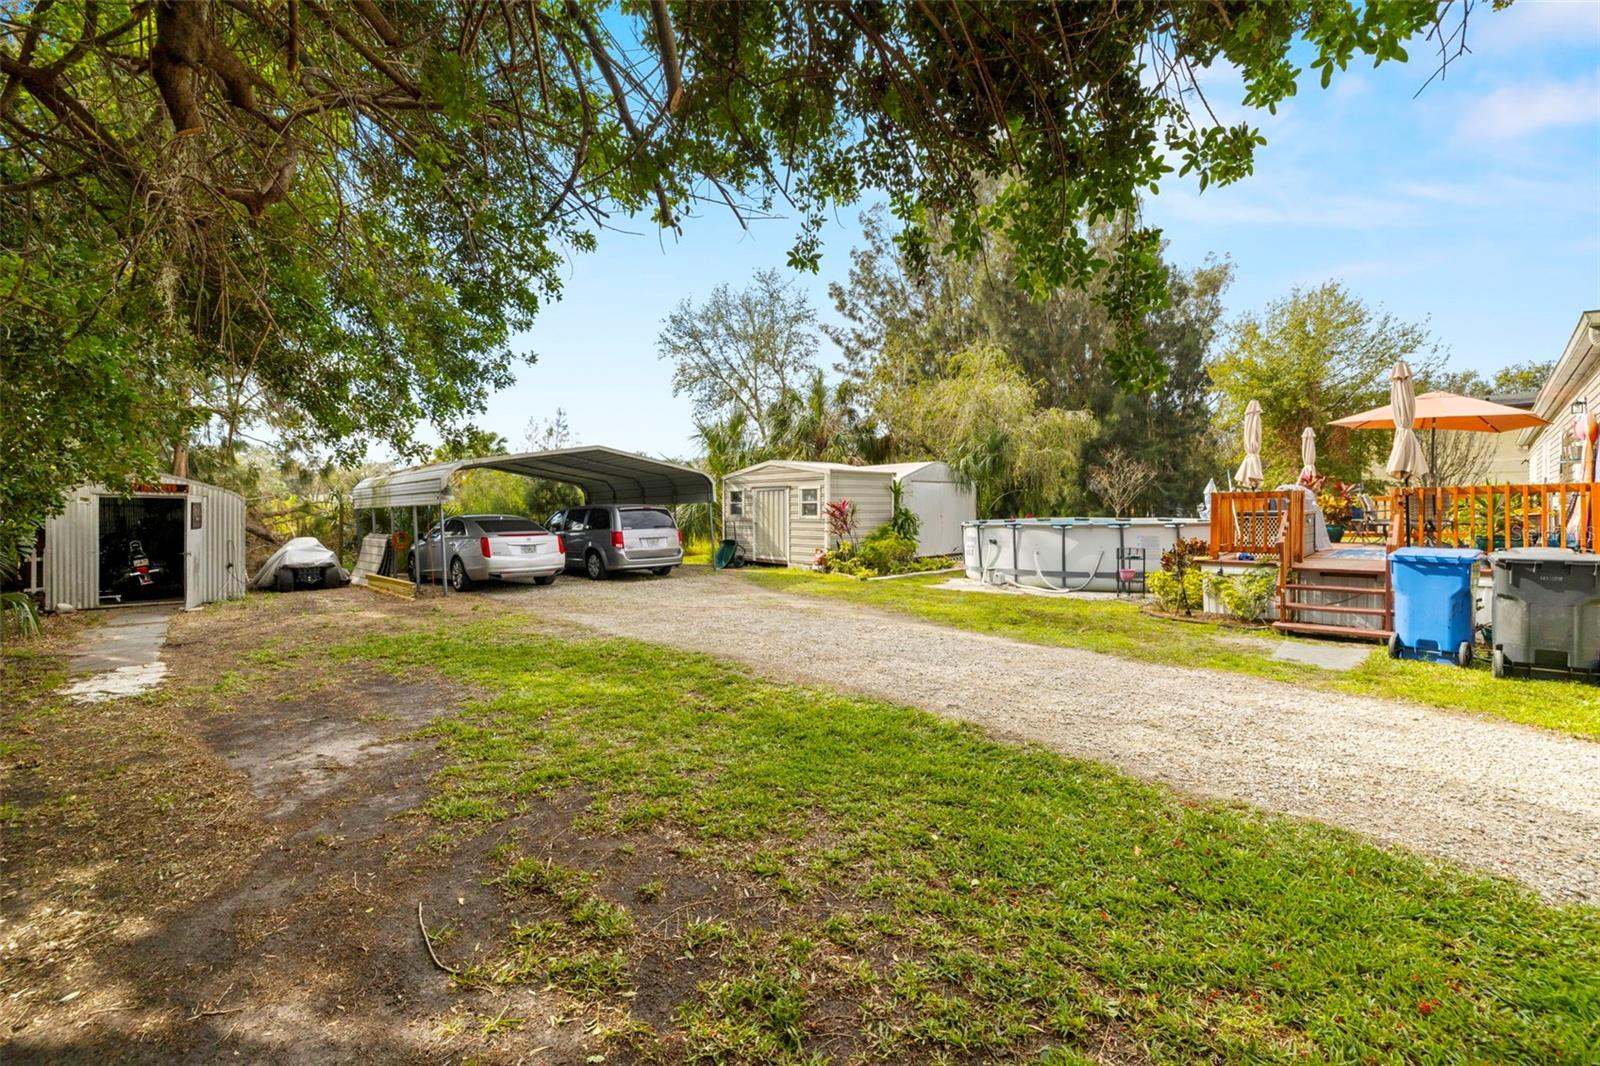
x,y
189,536
776,509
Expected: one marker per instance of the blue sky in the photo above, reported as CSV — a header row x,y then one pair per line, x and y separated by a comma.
x,y
1474,206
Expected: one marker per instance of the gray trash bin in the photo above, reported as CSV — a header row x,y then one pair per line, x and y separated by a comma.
x,y
1546,613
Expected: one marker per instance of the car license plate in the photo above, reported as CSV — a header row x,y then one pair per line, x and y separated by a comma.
x,y
527,549
653,542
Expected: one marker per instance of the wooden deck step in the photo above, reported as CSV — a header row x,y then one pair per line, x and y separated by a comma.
x,y
1313,629
1293,605
1353,590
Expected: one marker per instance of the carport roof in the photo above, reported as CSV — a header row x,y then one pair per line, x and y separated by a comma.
x,y
605,475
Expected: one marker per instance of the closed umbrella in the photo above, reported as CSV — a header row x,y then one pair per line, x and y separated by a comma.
x,y
1249,474
1405,457
1308,454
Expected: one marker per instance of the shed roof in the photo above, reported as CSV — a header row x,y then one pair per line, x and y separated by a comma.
x,y
606,475
898,471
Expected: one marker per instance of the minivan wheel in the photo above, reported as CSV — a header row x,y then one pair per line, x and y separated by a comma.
x,y
548,579
458,576
662,571
594,566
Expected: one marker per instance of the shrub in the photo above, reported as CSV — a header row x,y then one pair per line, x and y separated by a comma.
x,y
1178,594
887,551
1247,595
1179,585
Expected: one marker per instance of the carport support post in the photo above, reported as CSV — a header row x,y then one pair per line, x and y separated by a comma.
x,y
444,557
416,577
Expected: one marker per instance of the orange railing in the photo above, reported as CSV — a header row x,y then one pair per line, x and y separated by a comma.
x,y
1496,517
1258,523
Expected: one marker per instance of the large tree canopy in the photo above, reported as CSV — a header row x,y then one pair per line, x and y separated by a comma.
x,y
332,218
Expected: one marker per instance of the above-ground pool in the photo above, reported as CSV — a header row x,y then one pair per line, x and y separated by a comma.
x,y
1071,554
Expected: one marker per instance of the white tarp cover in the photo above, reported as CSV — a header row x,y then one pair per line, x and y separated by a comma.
x,y
301,551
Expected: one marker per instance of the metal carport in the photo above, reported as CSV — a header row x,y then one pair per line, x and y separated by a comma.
x,y
606,475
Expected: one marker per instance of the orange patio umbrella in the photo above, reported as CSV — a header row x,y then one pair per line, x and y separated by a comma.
x,y
1447,410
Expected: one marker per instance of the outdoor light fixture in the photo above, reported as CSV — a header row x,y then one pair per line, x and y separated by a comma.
x,y
1580,407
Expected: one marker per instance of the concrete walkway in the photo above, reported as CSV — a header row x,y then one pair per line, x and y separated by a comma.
x,y
122,656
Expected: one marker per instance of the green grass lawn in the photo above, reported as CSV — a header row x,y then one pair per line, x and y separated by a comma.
x,y
937,896
1123,629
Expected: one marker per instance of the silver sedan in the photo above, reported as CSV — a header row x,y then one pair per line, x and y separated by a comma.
x,y
488,547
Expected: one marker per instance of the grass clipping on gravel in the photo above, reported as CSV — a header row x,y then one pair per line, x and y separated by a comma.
x,y
1123,629
970,899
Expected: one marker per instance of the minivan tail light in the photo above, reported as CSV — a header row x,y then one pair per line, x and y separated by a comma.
x,y
483,542
680,538
616,538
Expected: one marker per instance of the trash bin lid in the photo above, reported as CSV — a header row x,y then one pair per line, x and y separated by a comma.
x,y
1436,555
1545,555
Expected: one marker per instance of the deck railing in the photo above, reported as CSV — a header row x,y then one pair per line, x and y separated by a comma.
x,y
1496,517
1263,523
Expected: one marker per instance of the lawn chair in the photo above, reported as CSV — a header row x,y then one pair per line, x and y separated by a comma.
x,y
1369,521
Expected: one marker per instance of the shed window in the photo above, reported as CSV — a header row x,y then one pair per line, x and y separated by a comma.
x,y
808,502
736,502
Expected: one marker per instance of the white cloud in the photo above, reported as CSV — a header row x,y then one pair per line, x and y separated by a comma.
x,y
1538,22
1518,110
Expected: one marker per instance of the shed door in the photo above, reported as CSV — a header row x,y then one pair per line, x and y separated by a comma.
x,y
772,525
195,556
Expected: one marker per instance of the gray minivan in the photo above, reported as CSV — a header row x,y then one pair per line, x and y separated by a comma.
x,y
609,538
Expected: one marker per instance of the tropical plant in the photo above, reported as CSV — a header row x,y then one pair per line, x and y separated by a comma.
x,y
841,517
1247,595
905,522
1179,584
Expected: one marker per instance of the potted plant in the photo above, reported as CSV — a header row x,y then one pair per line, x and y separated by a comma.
x,y
1337,506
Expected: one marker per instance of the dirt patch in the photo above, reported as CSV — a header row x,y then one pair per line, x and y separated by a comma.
x,y
201,872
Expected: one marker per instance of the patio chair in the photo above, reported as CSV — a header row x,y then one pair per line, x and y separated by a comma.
x,y
1372,523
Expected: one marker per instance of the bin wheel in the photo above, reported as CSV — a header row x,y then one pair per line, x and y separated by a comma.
x,y
1498,660
1394,645
1464,654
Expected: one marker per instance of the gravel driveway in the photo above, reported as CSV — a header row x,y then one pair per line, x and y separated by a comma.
x,y
1509,799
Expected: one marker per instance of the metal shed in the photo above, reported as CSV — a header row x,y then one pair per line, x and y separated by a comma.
x,y
776,510
193,531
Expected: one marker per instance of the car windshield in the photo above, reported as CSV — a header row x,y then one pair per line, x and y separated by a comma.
x,y
508,525
646,518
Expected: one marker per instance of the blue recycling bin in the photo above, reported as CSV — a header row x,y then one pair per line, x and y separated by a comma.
x,y
1433,603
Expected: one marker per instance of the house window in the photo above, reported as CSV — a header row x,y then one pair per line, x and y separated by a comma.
x,y
736,502
808,502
